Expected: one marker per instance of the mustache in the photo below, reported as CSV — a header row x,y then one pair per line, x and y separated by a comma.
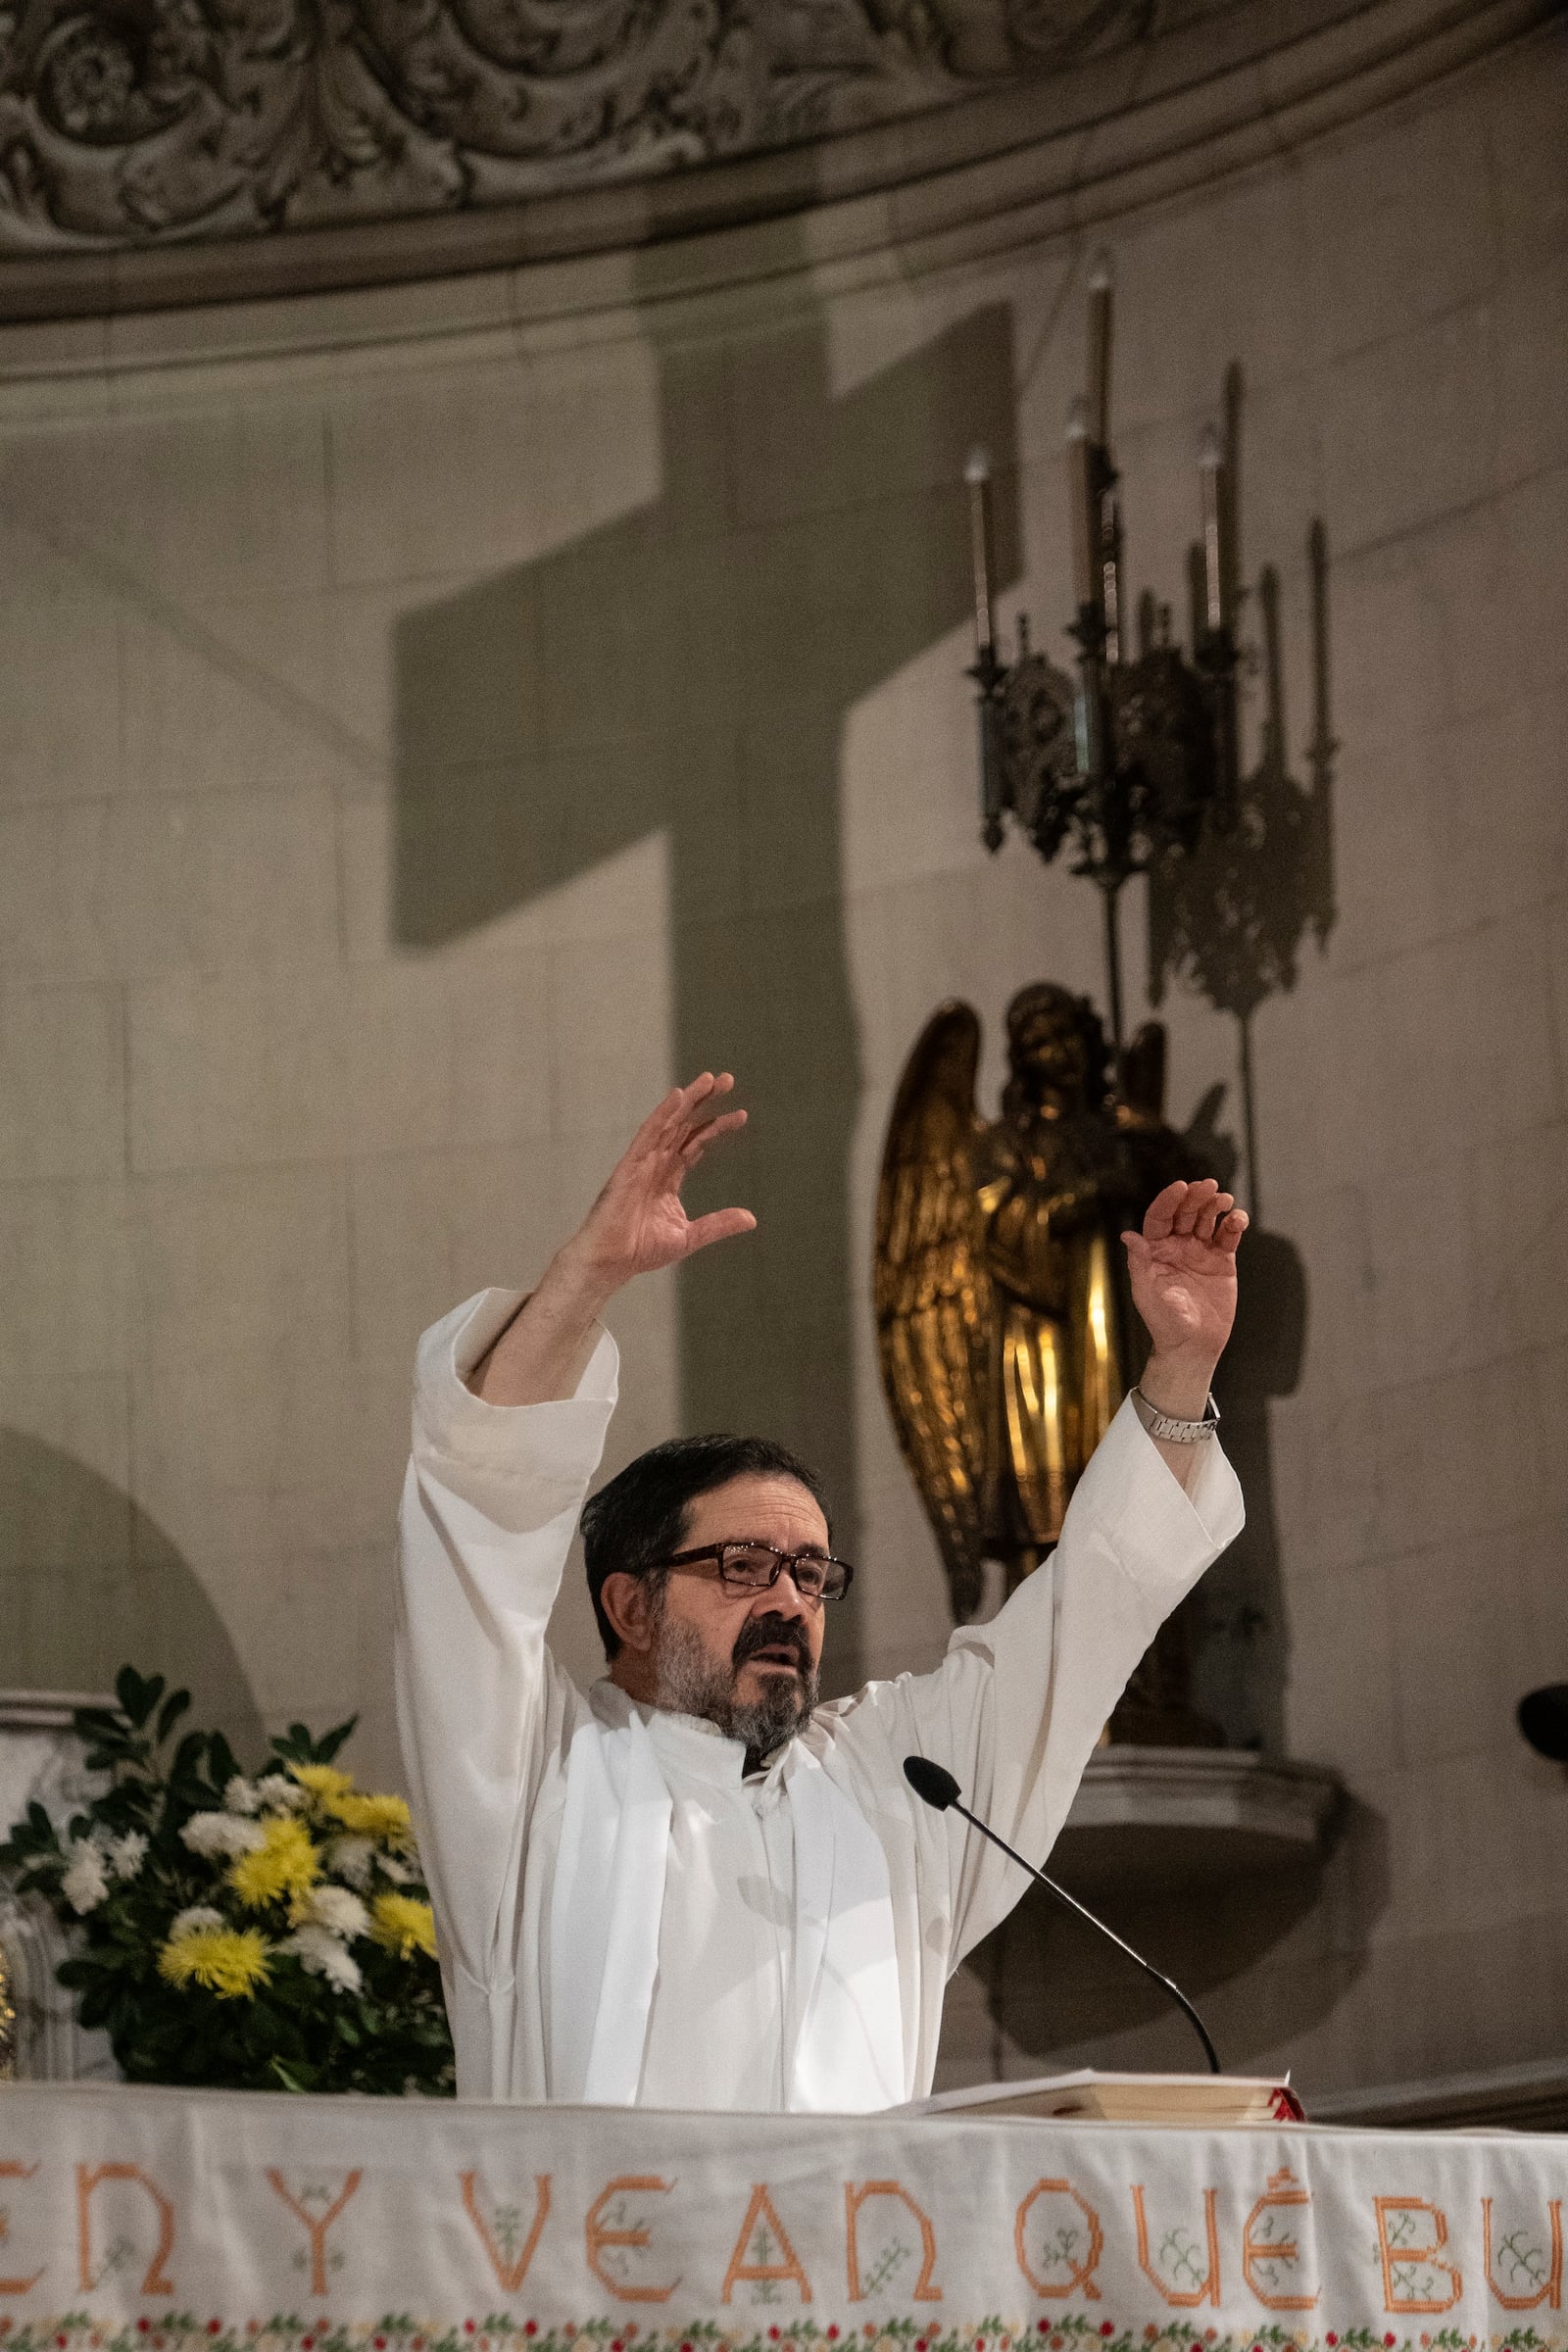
x,y
773,1633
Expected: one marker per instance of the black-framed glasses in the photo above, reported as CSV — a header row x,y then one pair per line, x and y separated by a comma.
x,y
757,1567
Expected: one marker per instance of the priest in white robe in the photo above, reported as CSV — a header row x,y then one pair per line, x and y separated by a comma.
x,y
694,1886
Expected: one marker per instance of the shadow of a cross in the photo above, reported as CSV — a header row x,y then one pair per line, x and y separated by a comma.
x,y
689,668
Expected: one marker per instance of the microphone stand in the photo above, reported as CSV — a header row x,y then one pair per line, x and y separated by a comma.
x,y
1073,1904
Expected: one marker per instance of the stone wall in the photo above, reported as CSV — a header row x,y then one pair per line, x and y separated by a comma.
x,y
436,717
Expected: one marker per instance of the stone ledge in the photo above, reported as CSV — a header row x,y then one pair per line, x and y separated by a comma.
x,y
1180,1817
46,1710
1533,2097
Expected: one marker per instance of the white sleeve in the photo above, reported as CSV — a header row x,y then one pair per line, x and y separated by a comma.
x,y
490,1504
1018,1705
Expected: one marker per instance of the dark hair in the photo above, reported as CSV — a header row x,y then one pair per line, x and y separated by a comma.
x,y
640,1517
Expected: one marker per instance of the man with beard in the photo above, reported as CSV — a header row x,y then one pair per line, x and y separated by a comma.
x,y
693,1886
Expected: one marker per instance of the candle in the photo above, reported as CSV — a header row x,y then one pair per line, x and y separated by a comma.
x,y
1195,597
1099,284
1208,472
977,473
1111,576
1085,505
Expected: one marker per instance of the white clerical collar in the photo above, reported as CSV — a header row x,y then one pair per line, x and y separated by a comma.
x,y
687,1744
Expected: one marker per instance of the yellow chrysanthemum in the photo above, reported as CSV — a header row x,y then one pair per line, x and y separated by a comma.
x,y
285,1863
383,1817
403,1925
228,1961
324,1781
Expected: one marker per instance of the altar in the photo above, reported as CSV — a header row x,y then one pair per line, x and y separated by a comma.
x,y
164,2219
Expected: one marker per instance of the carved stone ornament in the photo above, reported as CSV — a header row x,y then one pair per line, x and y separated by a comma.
x,y
152,150
128,120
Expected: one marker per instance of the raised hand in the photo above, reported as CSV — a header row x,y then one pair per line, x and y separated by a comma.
x,y
636,1226
638,1223
1181,1268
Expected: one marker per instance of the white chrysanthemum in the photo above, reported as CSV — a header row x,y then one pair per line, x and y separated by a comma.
x,y
86,1881
215,1834
126,1854
279,1794
401,1874
320,1953
339,1912
351,1858
240,1796
194,1921
342,1970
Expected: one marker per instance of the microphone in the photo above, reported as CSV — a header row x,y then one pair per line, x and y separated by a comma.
x,y
937,1787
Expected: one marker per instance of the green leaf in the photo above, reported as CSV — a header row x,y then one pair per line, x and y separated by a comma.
x,y
129,1689
296,1746
77,1973
290,2077
95,2006
174,1708
26,1840
97,1723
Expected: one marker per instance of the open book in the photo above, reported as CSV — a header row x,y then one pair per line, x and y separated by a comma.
x,y
1214,2100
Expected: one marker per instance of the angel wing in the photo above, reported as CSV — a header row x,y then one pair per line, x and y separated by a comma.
x,y
935,1314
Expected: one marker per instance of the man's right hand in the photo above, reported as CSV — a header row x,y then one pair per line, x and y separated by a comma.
x,y
636,1226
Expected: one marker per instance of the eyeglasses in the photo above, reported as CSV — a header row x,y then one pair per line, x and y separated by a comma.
x,y
757,1567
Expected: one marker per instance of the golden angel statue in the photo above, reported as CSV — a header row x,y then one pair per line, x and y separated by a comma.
x,y
1005,1320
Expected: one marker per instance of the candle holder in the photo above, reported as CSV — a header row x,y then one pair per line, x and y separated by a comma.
x,y
1122,765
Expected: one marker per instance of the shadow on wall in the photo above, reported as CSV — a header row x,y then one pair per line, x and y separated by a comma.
x,y
1230,921
1265,1958
689,668
89,1582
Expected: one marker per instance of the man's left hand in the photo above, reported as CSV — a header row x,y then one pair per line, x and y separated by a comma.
x,y
1183,1272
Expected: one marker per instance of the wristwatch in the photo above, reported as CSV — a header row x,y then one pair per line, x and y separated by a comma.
x,y
1167,1429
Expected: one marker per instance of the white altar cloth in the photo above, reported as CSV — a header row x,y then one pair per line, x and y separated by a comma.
x,y
158,2220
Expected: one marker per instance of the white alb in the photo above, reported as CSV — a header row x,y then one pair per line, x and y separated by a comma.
x,y
624,1916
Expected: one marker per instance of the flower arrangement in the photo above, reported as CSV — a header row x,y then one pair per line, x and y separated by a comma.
x,y
261,1932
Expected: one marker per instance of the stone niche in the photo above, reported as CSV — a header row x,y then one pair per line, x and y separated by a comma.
x,y
42,1762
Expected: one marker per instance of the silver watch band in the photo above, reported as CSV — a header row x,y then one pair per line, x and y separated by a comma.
x,y
1167,1429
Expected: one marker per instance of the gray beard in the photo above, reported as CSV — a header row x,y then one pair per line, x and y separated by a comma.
x,y
690,1682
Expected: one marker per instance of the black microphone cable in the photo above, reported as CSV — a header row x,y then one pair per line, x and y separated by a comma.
x,y
938,1789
